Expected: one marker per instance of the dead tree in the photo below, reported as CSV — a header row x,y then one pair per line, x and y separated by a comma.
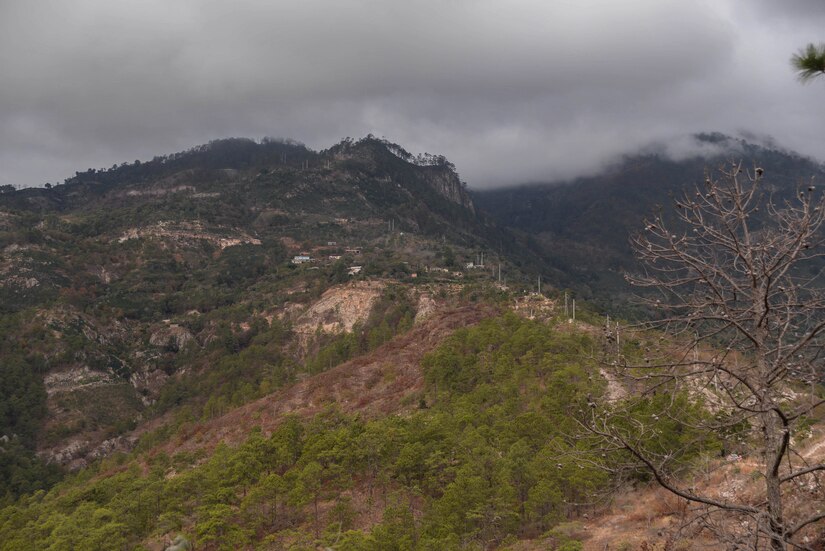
x,y
737,275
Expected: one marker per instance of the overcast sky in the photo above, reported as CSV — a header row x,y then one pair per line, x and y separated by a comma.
x,y
509,90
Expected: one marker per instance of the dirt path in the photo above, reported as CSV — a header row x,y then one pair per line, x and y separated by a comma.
x,y
817,449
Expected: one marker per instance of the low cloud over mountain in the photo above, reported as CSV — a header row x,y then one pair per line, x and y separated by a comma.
x,y
510,92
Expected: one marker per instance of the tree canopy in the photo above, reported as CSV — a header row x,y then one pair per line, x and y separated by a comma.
x,y
809,62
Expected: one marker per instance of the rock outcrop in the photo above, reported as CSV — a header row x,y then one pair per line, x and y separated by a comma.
x,y
172,337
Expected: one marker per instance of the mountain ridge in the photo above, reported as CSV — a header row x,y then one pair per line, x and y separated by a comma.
x,y
120,285
582,227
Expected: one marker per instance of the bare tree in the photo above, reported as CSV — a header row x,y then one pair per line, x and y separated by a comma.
x,y
739,294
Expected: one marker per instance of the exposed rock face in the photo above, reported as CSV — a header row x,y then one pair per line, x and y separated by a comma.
x,y
159,192
188,231
64,320
15,268
339,308
447,184
118,443
148,382
74,379
172,337
436,171
78,453
425,308
70,454
336,312
21,282
104,275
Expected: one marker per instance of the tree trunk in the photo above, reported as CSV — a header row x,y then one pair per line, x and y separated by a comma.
x,y
776,523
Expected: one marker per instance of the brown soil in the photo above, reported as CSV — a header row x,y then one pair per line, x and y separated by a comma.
x,y
374,384
650,517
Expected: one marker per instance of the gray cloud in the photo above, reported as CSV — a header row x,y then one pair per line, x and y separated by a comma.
x,y
512,91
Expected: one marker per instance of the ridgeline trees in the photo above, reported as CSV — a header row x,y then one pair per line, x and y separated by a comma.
x,y
739,286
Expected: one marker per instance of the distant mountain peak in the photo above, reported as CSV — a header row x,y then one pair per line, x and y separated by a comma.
x,y
713,147
373,144
439,173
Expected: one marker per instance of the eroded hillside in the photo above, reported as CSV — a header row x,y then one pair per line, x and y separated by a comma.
x,y
200,281
388,380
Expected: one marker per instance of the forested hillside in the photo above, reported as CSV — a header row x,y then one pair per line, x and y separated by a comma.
x,y
487,457
582,228
253,345
189,280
